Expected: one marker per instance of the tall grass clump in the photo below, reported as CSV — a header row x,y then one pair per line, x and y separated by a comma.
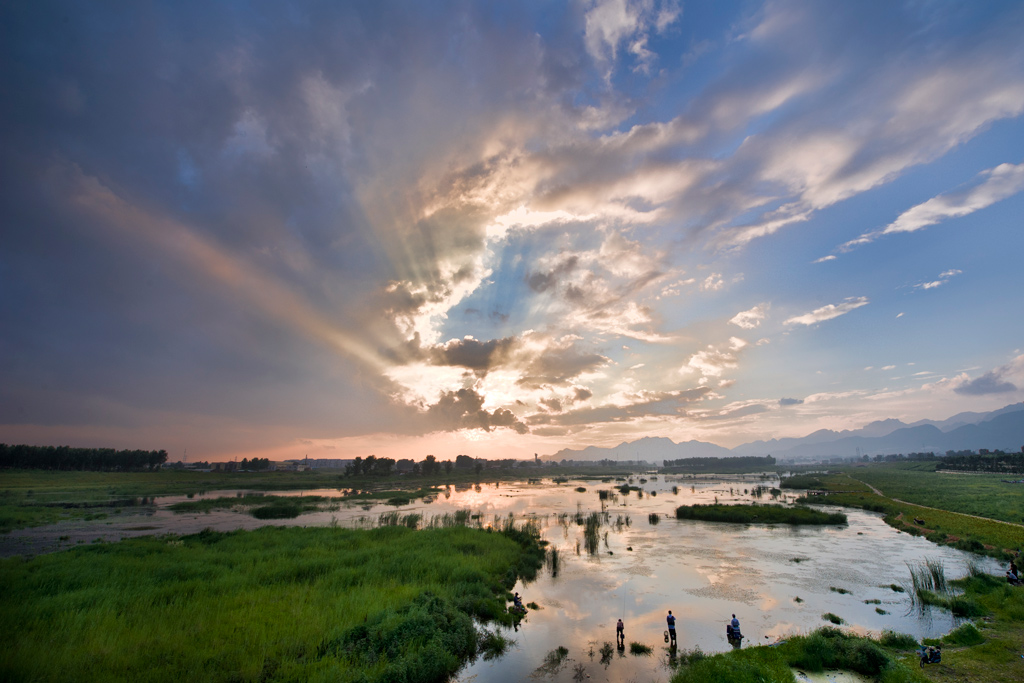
x,y
898,641
929,587
389,519
937,573
974,568
552,561
591,536
653,518
966,634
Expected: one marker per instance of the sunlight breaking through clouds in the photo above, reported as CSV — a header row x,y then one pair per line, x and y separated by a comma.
x,y
516,228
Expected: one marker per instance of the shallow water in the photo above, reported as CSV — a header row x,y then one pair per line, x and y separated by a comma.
x,y
703,571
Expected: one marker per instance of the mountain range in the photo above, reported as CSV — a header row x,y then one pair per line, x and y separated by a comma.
x,y
999,429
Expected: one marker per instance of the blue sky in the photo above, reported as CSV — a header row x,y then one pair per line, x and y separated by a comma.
x,y
337,229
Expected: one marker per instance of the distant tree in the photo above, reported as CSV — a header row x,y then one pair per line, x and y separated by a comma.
x,y
429,465
448,466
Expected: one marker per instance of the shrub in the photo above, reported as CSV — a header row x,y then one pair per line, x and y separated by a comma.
x,y
898,641
834,618
278,510
966,634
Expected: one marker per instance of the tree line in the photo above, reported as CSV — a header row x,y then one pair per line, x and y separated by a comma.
x,y
711,464
83,459
373,466
996,461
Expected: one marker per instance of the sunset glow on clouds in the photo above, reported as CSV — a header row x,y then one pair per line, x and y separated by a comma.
x,y
402,229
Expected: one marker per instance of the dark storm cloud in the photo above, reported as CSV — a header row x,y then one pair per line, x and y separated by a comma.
x,y
463,409
582,393
989,383
473,354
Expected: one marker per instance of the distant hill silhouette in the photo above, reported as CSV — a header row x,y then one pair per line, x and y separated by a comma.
x,y
650,449
998,429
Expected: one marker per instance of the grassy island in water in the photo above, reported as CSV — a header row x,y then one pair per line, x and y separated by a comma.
x,y
758,514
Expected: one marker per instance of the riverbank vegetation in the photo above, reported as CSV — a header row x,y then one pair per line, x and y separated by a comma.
x,y
985,651
264,605
826,648
972,533
758,514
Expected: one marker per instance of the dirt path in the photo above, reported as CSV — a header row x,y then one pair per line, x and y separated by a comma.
x,y
925,507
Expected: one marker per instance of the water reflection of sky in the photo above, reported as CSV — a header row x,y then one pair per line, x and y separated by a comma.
x,y
703,572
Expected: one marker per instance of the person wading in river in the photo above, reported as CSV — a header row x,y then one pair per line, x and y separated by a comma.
x,y
671,627
620,633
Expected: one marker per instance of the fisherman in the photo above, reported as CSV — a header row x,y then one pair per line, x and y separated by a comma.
x,y
1012,577
671,627
735,623
518,601
620,632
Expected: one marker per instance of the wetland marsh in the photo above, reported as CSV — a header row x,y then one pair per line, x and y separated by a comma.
x,y
608,559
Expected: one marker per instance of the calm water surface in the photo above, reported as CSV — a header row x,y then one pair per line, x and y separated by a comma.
x,y
703,571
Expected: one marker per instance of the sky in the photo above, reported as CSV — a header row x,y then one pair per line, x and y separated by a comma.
x,y
280,229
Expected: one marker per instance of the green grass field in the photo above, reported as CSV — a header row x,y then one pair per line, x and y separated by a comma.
x,y
984,495
310,604
980,535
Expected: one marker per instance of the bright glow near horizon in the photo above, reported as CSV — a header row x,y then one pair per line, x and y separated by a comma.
x,y
509,229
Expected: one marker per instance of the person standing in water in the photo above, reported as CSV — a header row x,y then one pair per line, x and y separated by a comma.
x,y
620,633
671,627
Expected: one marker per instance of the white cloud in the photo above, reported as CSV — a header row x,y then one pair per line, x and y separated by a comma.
x,y
713,361
991,186
609,23
943,279
712,283
523,218
750,319
828,312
